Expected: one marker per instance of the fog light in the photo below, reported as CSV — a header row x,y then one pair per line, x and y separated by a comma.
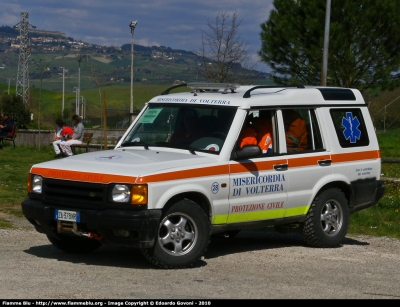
x,y
139,194
121,233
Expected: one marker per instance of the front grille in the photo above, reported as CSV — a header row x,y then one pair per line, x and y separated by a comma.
x,y
74,194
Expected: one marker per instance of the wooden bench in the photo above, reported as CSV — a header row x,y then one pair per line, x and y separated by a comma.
x,y
9,138
87,138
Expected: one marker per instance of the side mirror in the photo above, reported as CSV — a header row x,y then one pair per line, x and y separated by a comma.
x,y
247,152
119,138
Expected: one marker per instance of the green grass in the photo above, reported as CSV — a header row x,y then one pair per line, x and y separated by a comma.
x,y
382,219
14,168
119,96
5,224
389,143
390,170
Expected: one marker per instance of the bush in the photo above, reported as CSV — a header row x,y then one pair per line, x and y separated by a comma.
x,y
15,107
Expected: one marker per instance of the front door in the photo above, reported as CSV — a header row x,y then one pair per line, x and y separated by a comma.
x,y
258,186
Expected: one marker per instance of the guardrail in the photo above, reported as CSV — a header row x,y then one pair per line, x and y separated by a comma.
x,y
390,160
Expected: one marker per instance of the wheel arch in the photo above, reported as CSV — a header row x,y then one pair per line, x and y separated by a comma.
x,y
197,197
341,185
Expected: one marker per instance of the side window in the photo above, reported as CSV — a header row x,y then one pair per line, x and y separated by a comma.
x,y
302,131
350,127
258,129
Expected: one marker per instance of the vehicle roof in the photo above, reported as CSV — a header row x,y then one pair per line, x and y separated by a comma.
x,y
261,97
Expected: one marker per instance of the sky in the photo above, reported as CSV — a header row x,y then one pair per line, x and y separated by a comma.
x,y
171,23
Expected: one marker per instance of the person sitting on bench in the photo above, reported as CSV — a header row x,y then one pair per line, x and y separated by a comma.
x,y
7,128
77,137
63,133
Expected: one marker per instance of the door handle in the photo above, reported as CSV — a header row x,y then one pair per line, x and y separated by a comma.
x,y
325,162
281,167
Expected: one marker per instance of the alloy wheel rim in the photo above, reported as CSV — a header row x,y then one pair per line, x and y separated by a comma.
x,y
331,217
177,234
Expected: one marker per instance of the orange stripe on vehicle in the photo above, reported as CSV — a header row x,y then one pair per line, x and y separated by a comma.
x,y
307,161
356,156
185,174
81,176
255,166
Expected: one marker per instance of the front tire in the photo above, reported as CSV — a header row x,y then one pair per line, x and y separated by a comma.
x,y
182,238
327,220
73,245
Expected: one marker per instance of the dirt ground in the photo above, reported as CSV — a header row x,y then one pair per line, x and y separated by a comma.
x,y
253,265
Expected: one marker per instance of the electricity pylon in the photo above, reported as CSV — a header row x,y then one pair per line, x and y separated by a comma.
x,y
22,87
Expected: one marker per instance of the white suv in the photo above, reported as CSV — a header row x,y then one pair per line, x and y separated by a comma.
x,y
214,161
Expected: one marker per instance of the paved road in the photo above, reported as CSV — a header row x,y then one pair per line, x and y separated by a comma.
x,y
254,265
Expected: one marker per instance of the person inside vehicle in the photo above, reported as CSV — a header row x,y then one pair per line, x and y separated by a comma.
x,y
7,127
190,130
76,138
258,131
263,128
295,130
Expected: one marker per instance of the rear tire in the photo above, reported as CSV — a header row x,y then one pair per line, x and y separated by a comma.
x,y
327,220
74,245
183,237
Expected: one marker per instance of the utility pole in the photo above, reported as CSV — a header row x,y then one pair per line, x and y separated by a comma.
x,y
63,93
326,43
9,81
79,84
83,115
384,120
22,86
84,102
105,120
132,25
76,99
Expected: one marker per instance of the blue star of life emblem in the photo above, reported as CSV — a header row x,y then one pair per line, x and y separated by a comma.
x,y
351,124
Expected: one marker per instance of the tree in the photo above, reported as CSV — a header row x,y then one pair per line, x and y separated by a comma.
x,y
15,107
225,55
363,48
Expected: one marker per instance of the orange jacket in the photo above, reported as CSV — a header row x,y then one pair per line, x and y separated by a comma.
x,y
263,139
248,136
264,135
296,135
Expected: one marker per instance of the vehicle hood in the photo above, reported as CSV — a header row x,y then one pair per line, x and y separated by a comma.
x,y
130,162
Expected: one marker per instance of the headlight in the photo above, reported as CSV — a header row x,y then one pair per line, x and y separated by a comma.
x,y
37,183
121,193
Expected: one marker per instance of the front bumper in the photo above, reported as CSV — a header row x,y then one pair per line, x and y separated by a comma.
x,y
142,225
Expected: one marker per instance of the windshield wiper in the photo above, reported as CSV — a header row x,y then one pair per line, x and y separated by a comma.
x,y
175,145
127,144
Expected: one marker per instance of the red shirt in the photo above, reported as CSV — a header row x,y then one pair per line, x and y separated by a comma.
x,y
67,130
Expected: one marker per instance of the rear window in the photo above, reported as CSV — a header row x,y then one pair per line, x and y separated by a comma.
x,y
350,127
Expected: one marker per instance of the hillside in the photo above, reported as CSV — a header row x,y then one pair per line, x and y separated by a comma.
x,y
52,50
155,69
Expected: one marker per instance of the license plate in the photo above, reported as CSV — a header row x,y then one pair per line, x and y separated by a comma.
x,y
69,216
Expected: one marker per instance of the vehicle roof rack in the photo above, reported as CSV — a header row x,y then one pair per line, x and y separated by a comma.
x,y
247,94
166,92
202,86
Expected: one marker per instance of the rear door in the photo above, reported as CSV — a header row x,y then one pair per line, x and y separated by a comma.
x,y
309,165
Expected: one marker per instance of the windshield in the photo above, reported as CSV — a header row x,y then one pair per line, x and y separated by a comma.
x,y
197,128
